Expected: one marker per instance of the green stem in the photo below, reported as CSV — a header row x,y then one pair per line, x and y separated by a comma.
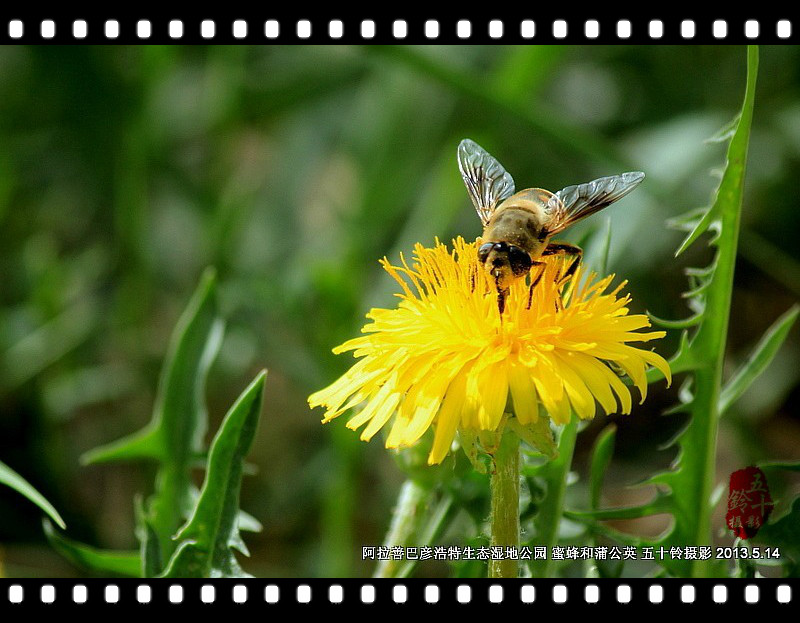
x,y
403,526
693,514
505,505
442,513
550,511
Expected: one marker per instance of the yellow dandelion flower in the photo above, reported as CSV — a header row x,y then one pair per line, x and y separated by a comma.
x,y
446,358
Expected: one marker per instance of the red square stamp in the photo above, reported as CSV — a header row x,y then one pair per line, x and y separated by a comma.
x,y
749,502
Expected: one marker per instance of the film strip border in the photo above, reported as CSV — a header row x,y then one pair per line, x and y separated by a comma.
x,y
387,593
622,30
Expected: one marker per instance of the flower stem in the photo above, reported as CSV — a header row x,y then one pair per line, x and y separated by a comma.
x,y
504,486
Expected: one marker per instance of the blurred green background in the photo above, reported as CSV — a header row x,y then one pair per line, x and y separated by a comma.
x,y
125,171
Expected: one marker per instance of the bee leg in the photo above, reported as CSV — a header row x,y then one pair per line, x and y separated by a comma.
x,y
501,301
535,282
502,293
562,248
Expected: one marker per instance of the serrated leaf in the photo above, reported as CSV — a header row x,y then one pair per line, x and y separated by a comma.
x,y
688,220
784,533
601,529
174,436
247,522
122,563
692,479
698,289
12,479
204,543
658,505
686,323
702,272
699,229
171,436
758,360
682,361
726,132
602,452
144,444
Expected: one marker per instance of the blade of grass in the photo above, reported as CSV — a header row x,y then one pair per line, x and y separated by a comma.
x,y
548,519
602,452
12,479
127,564
758,360
48,343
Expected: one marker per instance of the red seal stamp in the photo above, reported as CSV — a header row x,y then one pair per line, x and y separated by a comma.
x,y
749,502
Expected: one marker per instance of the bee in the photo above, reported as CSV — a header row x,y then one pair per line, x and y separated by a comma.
x,y
517,227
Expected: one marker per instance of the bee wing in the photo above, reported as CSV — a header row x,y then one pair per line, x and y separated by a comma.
x,y
488,183
573,203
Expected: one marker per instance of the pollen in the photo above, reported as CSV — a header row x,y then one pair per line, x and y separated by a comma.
x,y
445,357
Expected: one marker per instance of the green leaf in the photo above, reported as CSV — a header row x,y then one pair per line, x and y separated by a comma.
x,y
247,522
688,220
600,529
759,359
538,435
785,534
682,361
12,479
792,466
699,229
193,346
438,518
686,323
417,521
174,436
659,504
122,563
205,543
413,499
470,444
725,133
144,444
691,482
548,518
150,556
602,452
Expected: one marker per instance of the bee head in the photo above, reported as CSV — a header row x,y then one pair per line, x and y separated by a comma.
x,y
503,260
